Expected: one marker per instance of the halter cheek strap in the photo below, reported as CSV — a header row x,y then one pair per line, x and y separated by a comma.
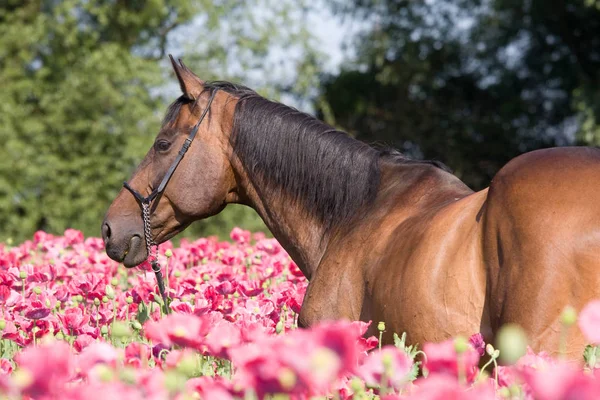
x,y
146,201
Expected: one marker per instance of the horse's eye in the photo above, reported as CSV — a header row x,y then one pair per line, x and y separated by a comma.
x,y
162,145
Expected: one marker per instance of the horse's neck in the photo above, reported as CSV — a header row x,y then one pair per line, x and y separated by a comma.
x,y
305,238
300,234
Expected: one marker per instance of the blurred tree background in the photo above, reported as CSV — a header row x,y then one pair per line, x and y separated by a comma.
x,y
472,83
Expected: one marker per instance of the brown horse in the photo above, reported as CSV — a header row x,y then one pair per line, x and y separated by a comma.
x,y
379,236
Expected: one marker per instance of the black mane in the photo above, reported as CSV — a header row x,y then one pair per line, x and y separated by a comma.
x,y
331,173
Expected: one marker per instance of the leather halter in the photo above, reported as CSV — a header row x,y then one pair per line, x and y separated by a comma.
x,y
146,201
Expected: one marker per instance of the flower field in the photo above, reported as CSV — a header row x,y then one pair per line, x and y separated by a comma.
x,y
77,325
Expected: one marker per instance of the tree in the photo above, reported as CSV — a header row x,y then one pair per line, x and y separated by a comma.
x,y
471,83
83,93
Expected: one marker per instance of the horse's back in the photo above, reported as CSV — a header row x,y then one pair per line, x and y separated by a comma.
x,y
542,241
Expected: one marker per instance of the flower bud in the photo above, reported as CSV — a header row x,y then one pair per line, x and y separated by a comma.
x,y
489,349
460,344
129,300
128,376
136,325
568,316
110,292
104,372
381,326
37,290
279,327
158,299
104,299
177,274
168,253
120,330
287,378
104,330
174,381
2,324
96,302
23,274
187,365
512,343
114,281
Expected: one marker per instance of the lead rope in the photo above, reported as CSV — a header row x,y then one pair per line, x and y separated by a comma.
x,y
152,251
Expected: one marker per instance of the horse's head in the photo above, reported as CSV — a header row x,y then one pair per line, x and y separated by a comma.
x,y
201,184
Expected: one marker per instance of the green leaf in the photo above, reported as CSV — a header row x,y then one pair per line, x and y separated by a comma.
x,y
143,313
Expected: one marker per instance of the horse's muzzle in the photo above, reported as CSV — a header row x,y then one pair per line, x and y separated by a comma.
x,y
124,245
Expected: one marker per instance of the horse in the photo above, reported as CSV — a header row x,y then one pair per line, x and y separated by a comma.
x,y
379,236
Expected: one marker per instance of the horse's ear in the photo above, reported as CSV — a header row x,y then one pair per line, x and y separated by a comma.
x,y
190,84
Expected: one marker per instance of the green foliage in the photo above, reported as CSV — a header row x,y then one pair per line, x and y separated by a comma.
x,y
80,102
591,355
411,351
469,83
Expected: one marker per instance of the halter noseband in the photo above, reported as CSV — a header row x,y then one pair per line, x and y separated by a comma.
x,y
146,201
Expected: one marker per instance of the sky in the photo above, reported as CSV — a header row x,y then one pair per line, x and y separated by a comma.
x,y
329,31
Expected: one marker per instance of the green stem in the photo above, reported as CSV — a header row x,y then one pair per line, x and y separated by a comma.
x,y
167,280
492,359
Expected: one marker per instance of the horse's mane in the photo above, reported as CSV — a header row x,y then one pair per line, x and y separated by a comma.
x,y
328,171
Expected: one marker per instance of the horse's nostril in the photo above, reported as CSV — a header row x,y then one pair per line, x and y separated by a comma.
x,y
105,231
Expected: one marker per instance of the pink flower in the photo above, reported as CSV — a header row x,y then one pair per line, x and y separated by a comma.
x,y
73,320
478,343
210,388
6,366
73,236
49,367
389,364
589,322
240,236
444,387
82,342
36,310
443,359
179,329
137,354
221,337
561,381
96,353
